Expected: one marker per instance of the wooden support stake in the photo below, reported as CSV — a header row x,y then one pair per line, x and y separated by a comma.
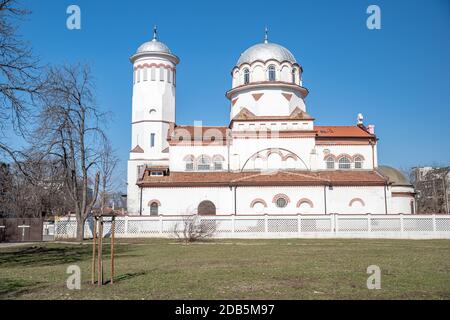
x,y
100,252
113,230
93,250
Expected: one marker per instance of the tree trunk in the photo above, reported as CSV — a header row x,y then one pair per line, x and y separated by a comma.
x,y
80,229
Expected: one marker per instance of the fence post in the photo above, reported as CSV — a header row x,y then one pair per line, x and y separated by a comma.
x,y
402,226
126,227
434,222
369,223
332,223
299,224
336,223
160,225
233,224
266,224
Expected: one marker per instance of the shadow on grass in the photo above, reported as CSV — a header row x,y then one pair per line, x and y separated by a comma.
x,y
49,256
127,276
12,288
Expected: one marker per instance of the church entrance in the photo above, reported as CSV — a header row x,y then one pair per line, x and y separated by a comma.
x,y
206,208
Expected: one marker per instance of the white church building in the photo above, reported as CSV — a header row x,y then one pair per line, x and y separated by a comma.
x,y
270,158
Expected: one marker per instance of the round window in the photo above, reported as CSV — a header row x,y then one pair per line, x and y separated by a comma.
x,y
281,203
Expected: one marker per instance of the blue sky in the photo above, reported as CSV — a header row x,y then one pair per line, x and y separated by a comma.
x,y
398,77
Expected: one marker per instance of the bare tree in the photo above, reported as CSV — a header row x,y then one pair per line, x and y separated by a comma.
x,y
193,228
70,130
432,187
20,83
41,196
107,165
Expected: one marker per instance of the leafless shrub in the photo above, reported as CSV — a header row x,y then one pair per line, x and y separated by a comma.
x,y
193,228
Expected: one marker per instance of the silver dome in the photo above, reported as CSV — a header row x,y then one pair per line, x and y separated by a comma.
x,y
154,46
264,52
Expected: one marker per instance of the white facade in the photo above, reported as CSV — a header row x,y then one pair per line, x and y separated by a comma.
x,y
271,159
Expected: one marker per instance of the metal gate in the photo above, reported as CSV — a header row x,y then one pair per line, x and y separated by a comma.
x,y
20,229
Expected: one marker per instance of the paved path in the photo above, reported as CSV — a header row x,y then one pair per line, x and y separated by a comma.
x,y
17,244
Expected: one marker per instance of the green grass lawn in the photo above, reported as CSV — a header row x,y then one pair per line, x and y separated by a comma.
x,y
234,269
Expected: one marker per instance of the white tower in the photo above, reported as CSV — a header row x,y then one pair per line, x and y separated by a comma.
x,y
153,111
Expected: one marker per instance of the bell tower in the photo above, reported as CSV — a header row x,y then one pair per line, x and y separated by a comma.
x,y
153,111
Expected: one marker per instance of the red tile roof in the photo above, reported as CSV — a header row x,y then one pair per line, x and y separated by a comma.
x,y
278,178
342,132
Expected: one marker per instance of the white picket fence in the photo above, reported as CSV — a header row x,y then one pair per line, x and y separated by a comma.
x,y
279,226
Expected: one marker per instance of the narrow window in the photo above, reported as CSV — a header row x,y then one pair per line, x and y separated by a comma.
x,y
168,76
154,209
246,76
272,73
190,164
145,74
174,76
138,75
153,74
152,140
218,163
293,76
161,74
344,163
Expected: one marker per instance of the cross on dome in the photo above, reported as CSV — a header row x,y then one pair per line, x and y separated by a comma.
x,y
155,33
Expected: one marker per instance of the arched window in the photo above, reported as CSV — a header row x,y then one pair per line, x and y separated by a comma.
x,y
271,72
154,208
206,208
281,203
258,205
358,163
246,76
189,163
203,163
330,162
344,163
218,162
357,202
281,200
293,75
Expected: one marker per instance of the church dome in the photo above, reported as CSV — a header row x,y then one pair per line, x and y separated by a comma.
x,y
154,46
395,176
266,51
